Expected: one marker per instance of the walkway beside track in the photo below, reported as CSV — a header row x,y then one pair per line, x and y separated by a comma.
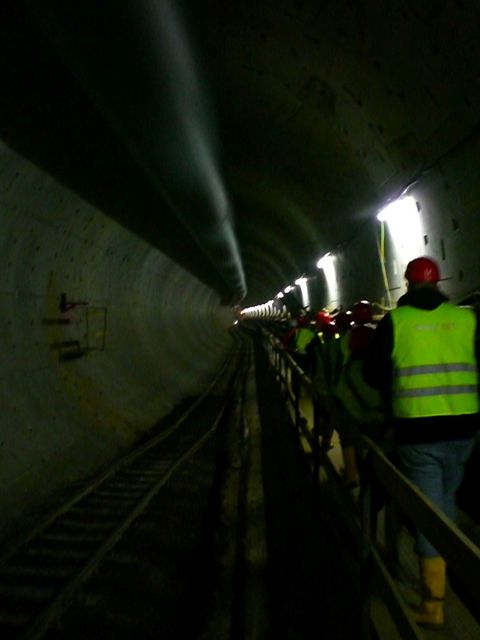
x,y
239,544
234,546
462,619
312,590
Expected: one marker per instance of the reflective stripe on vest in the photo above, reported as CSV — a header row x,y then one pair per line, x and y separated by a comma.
x,y
435,370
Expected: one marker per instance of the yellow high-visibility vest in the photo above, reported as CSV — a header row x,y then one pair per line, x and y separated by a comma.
x,y
363,403
434,364
303,337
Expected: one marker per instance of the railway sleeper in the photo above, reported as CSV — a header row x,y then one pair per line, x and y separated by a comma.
x,y
35,572
62,537
76,523
12,619
56,554
13,592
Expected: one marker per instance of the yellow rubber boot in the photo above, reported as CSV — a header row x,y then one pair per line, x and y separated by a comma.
x,y
433,576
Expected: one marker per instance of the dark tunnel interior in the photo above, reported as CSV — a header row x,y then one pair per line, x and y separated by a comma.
x,y
162,162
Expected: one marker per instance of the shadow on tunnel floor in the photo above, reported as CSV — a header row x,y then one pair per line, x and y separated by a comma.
x,y
311,594
468,493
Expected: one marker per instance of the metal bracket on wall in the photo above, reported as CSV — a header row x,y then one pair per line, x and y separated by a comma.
x,y
65,305
96,329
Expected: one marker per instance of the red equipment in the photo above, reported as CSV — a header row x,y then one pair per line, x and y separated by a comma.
x,y
362,312
322,319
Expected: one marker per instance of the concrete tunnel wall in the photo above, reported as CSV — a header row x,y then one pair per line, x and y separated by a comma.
x,y
65,413
448,199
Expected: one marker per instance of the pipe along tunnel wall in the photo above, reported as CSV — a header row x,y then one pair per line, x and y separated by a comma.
x,y
80,383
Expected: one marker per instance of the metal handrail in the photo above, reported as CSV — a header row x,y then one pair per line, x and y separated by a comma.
x,y
461,554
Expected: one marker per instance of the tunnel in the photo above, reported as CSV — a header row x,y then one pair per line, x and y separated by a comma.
x,y
165,165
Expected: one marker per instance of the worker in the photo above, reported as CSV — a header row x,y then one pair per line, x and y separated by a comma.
x,y
320,372
358,406
339,347
319,353
424,358
304,334
289,335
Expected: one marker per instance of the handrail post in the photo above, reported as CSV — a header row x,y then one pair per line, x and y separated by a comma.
x,y
368,538
316,441
392,527
285,376
279,370
296,394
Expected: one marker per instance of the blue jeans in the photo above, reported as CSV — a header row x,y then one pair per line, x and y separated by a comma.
x,y
437,469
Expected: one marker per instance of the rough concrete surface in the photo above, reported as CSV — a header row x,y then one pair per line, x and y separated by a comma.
x,y
81,383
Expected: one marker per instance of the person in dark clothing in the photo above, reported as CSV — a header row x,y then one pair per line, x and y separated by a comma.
x,y
424,360
356,406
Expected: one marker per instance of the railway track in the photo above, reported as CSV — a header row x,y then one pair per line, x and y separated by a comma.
x,y
42,573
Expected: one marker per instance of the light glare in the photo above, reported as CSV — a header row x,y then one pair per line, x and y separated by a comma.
x,y
325,261
327,264
405,228
302,283
397,208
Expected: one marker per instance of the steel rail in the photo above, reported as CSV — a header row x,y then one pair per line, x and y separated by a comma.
x,y
23,538
40,577
57,605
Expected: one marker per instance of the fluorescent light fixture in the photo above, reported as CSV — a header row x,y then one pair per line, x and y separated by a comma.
x,y
280,295
302,283
405,228
401,208
327,264
288,289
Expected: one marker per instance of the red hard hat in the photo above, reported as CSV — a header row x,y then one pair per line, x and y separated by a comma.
x,y
362,312
322,319
422,270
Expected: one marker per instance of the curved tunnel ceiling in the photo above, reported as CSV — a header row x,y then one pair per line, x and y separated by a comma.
x,y
330,108
148,164
324,110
